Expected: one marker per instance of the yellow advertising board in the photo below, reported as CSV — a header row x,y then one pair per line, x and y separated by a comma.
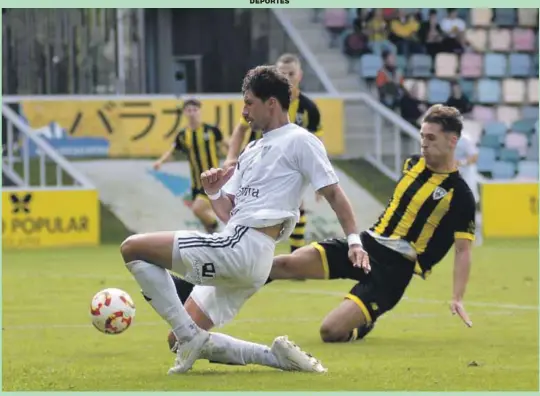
x,y
147,127
510,209
49,218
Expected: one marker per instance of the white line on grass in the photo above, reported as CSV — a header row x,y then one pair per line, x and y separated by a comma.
x,y
396,316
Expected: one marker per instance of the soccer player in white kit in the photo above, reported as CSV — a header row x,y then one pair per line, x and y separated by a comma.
x,y
467,156
258,200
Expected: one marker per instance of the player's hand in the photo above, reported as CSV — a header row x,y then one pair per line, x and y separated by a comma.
x,y
213,179
230,163
456,306
359,257
157,165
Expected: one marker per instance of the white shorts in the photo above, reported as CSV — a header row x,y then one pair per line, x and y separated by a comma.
x,y
226,267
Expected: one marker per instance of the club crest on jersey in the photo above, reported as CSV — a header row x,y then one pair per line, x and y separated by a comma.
x,y
439,193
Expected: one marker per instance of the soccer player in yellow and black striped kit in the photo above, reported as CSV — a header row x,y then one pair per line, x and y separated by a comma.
x,y
303,111
202,143
431,209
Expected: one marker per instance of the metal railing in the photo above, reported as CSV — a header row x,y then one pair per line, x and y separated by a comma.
x,y
17,150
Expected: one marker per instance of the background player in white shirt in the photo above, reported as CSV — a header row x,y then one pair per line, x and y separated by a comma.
x,y
259,201
467,156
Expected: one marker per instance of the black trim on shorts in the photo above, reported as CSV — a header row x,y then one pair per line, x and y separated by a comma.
x,y
213,241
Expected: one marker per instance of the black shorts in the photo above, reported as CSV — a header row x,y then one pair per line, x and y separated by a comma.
x,y
378,291
196,192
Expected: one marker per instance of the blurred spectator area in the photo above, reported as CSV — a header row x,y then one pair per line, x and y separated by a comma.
x,y
483,61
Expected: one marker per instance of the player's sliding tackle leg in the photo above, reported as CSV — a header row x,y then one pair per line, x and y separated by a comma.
x,y
148,257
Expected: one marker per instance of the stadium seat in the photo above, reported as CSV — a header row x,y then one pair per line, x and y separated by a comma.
x,y
464,13
505,16
473,129
529,112
532,154
446,65
370,65
495,128
492,141
477,39
488,91
469,88
528,170
471,65
335,18
526,126
532,90
420,65
510,155
483,113
438,91
518,142
523,40
507,114
486,159
421,90
481,17
503,170
513,91
401,63
495,65
519,65
420,86
500,40
528,17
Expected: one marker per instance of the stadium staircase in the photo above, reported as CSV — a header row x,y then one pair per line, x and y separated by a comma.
x,y
359,118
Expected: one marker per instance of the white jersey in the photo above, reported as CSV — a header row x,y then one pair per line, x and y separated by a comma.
x,y
272,175
466,148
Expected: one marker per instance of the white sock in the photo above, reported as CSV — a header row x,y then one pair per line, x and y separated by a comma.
x,y
158,287
225,349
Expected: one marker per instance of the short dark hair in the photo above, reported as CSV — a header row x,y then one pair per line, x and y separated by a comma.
x,y
192,102
288,58
266,82
449,118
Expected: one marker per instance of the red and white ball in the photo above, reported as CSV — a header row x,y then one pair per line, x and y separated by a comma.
x,y
112,311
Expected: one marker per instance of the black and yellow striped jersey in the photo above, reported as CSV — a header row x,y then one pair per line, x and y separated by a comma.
x,y
428,210
201,146
303,112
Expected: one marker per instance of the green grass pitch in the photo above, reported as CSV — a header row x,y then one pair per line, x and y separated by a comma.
x,y
50,345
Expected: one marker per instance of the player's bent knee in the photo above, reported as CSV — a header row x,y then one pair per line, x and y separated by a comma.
x,y
330,333
130,247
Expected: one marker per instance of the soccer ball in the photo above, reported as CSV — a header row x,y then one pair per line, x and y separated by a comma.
x,y
112,311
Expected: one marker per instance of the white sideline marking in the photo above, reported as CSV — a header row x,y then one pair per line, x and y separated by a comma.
x,y
415,300
396,316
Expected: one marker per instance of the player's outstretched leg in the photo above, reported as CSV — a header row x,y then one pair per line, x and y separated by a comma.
x,y
224,349
147,257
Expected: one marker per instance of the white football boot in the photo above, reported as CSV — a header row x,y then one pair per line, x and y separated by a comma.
x,y
188,352
292,358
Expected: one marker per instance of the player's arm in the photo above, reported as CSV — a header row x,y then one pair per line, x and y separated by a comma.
x,y
341,205
235,142
314,164
314,121
463,235
221,186
167,154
